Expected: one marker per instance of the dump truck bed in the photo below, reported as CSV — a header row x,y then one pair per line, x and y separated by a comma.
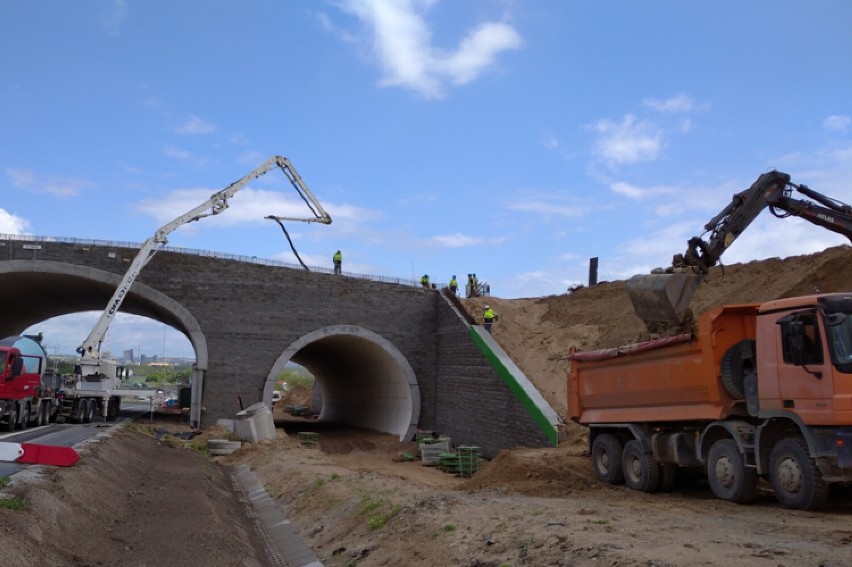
x,y
672,379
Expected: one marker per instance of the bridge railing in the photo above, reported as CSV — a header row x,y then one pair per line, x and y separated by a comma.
x,y
206,254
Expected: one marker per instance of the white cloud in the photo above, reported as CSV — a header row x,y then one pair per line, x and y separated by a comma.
x,y
627,142
59,187
550,142
247,206
251,158
459,240
479,49
837,122
195,125
12,224
548,208
183,156
680,103
629,191
115,17
402,42
680,198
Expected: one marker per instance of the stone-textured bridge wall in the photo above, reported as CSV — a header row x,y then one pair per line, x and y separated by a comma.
x,y
249,313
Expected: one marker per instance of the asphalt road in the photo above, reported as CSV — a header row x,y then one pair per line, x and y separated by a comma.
x,y
66,434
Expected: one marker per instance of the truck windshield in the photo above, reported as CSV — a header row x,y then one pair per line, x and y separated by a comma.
x,y
840,341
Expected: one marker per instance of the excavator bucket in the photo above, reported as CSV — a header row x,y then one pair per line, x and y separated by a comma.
x,y
662,297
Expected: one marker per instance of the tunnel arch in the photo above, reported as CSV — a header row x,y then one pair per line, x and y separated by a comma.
x,y
47,289
365,380
51,289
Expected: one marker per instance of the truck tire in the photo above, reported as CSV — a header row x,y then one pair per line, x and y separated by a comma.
x,y
795,477
113,407
736,363
12,417
80,408
89,411
606,458
44,413
25,415
641,471
729,478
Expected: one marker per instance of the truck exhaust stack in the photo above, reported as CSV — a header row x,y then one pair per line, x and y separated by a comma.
x,y
662,297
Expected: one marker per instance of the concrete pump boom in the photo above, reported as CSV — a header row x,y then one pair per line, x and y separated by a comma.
x,y
218,202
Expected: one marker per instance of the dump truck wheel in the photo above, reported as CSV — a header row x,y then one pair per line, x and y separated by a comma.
x,y
606,456
737,362
795,477
729,478
641,471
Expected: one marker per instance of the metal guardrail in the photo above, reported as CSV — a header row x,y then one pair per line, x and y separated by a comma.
x,y
206,254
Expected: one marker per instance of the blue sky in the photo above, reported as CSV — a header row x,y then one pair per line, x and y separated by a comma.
x,y
511,139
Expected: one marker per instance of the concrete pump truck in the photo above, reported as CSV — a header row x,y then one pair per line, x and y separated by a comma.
x,y
97,389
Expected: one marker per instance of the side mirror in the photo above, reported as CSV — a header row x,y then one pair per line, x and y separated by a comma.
x,y
834,319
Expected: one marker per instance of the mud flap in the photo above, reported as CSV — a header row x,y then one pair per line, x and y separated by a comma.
x,y
662,297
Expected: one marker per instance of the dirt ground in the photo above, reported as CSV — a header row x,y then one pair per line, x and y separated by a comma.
x,y
133,500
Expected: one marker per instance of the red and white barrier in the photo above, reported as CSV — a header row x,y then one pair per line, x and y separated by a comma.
x,y
33,453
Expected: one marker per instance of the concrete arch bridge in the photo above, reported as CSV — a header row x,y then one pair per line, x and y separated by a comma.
x,y
386,354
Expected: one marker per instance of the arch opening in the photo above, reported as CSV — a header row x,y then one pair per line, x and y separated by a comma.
x,y
364,379
43,290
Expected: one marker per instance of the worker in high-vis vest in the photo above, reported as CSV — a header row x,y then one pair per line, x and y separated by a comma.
x,y
454,285
488,316
338,261
424,281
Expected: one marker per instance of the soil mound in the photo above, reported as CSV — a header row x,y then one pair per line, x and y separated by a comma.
x,y
538,332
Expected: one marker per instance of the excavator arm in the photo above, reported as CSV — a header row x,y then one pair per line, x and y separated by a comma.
x,y
216,204
665,295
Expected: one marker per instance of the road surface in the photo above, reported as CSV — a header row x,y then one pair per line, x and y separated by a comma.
x,y
67,434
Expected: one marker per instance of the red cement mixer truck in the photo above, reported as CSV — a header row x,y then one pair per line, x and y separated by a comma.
x,y
26,397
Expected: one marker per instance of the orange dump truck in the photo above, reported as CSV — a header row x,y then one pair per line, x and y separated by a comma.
x,y
762,390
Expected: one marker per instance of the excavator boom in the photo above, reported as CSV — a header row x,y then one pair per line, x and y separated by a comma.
x,y
665,295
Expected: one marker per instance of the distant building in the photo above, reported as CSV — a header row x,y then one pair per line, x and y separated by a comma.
x,y
128,355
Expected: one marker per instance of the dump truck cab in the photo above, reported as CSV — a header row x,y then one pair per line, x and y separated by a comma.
x,y
805,363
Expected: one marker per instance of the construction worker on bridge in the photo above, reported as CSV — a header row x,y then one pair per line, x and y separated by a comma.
x,y
337,259
424,281
454,285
